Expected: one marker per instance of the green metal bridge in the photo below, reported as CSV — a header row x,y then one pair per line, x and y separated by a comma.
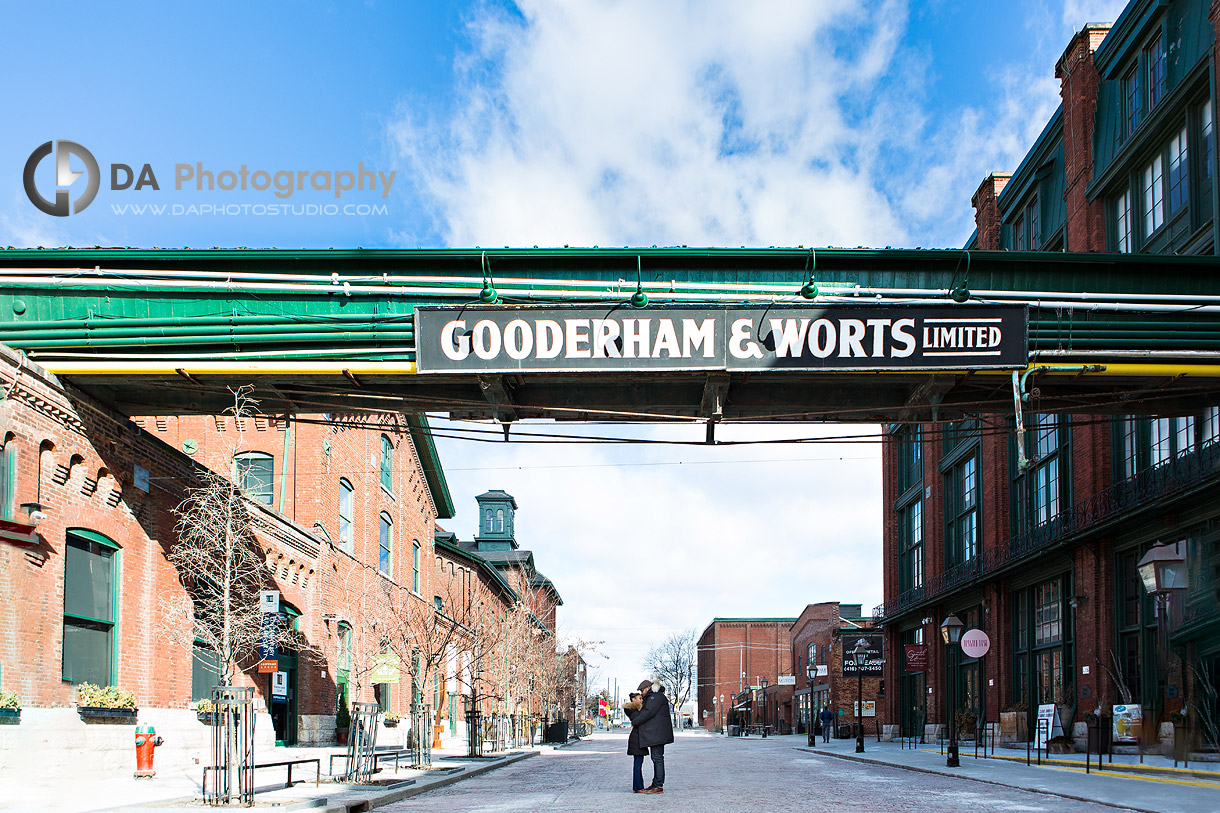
x,y
169,331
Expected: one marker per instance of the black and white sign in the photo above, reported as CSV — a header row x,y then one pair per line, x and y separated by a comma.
x,y
279,686
510,339
269,601
873,662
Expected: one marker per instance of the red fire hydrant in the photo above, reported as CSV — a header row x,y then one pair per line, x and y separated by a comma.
x,y
146,742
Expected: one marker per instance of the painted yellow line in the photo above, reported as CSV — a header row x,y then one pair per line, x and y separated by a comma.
x,y
1131,772
169,368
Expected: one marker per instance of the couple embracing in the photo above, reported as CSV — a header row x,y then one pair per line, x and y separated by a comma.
x,y
651,730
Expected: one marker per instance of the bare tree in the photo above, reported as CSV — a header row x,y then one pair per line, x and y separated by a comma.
x,y
672,663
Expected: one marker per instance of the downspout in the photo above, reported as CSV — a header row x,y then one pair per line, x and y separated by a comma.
x,y
1021,396
284,463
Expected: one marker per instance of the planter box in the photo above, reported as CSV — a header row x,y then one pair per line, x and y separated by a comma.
x,y
107,716
208,717
10,716
1014,726
390,723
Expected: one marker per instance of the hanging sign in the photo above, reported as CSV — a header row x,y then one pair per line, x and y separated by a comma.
x,y
385,668
268,637
279,686
269,601
917,657
786,680
517,339
975,643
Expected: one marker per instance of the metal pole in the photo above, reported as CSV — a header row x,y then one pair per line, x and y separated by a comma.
x,y
859,707
952,761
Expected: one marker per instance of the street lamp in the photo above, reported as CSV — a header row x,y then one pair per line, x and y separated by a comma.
x,y
811,672
860,653
763,684
1162,570
951,631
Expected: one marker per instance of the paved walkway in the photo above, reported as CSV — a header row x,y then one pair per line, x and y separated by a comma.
x,y
781,774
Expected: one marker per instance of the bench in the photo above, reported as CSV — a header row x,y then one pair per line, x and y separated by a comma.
x,y
396,753
317,764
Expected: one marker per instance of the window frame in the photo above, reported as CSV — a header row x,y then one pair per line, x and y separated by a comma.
x,y
86,539
242,468
385,545
347,520
387,463
415,572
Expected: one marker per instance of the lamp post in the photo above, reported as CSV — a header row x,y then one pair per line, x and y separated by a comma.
x,y
1162,570
763,683
811,672
860,653
723,718
951,631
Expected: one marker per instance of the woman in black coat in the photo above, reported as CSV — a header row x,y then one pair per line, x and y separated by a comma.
x,y
632,708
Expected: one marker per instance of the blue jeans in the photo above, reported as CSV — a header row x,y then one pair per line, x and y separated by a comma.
x,y
637,774
657,752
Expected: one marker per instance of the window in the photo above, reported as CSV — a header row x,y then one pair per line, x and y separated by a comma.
x,y
343,658
1209,426
962,511
1179,186
8,474
499,520
1037,491
1205,139
1143,443
1154,64
1041,643
385,544
1135,627
415,566
910,459
345,514
487,522
1033,217
252,471
1154,214
1122,222
910,551
387,463
437,604
205,671
90,579
1131,101
1018,234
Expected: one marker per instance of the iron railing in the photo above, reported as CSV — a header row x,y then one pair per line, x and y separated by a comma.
x,y
1173,478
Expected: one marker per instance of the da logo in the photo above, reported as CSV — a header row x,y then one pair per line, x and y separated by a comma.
x,y
64,177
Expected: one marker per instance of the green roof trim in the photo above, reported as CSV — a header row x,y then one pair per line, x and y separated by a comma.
x,y
421,436
487,567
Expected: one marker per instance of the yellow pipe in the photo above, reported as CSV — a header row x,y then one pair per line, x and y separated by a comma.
x,y
164,368
1122,369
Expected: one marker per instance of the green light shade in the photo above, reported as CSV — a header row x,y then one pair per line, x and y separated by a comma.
x,y
810,289
488,295
960,294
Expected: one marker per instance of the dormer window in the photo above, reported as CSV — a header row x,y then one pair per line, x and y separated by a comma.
x,y
487,522
499,520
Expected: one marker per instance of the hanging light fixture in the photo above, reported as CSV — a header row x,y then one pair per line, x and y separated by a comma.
x,y
810,289
488,295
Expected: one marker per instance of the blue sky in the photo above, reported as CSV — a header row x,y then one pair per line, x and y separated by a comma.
x,y
621,122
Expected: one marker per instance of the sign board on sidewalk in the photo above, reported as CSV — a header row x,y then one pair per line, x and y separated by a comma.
x,y
1128,720
1047,712
786,680
975,644
279,685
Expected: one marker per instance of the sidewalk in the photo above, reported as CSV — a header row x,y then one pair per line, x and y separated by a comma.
x,y
1154,787
168,791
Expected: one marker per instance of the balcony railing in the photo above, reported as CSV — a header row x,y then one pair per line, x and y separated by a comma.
x,y
1179,474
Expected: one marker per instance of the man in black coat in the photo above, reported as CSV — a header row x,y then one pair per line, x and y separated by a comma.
x,y
656,731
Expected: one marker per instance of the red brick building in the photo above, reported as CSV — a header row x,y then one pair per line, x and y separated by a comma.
x,y
87,514
734,655
1034,538
819,637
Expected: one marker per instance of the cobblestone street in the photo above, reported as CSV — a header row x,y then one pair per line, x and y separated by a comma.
x,y
712,773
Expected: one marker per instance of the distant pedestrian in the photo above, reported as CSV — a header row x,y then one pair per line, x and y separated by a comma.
x,y
656,729
632,709
828,720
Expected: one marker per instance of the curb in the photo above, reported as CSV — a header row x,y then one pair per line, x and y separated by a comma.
x,y
973,779
374,800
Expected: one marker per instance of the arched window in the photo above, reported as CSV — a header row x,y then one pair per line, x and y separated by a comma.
x,y
499,520
415,566
8,476
345,514
90,607
385,543
387,463
487,521
343,659
252,470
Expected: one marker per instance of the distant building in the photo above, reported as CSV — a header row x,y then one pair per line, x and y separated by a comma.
x,y
734,655
819,637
